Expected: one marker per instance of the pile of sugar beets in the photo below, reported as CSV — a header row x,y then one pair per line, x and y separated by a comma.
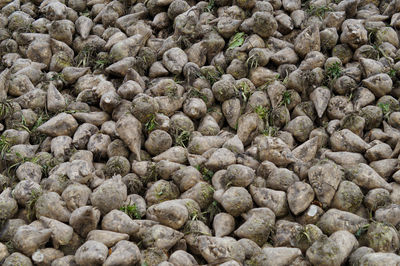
x,y
183,132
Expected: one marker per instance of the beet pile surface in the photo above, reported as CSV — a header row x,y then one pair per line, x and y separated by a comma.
x,y
178,133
